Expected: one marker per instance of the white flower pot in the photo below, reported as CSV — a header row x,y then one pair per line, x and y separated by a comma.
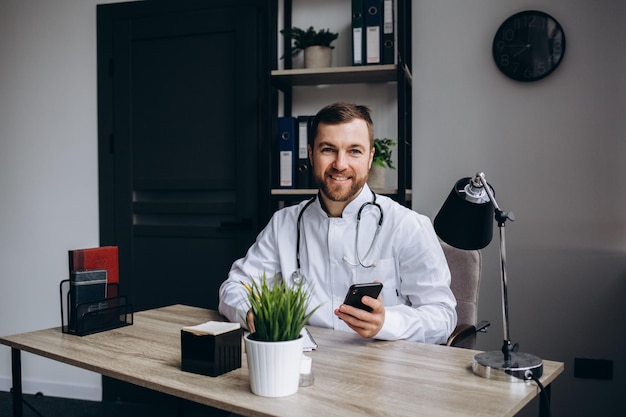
x,y
318,57
274,367
376,179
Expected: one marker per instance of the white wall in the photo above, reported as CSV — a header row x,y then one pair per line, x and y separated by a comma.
x,y
554,151
48,173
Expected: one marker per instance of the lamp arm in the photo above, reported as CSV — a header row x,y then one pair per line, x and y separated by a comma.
x,y
507,347
501,217
483,181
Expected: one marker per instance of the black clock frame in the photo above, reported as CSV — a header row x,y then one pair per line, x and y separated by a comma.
x,y
529,46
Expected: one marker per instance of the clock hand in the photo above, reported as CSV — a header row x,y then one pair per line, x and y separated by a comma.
x,y
521,50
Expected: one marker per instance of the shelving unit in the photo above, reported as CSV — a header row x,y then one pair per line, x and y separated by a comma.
x,y
285,80
335,75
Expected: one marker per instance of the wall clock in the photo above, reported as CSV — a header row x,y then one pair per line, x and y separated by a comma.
x,y
529,46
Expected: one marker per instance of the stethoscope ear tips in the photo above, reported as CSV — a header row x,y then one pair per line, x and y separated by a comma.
x,y
346,260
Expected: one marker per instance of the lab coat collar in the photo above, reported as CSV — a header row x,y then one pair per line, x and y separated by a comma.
x,y
353,207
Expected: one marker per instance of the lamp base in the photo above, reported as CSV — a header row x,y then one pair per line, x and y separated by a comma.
x,y
491,365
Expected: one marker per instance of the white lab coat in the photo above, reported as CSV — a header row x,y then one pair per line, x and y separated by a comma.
x,y
419,304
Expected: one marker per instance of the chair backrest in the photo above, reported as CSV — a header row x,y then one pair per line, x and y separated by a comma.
x,y
465,270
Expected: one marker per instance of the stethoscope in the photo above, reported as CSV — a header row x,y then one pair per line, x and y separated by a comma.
x,y
298,276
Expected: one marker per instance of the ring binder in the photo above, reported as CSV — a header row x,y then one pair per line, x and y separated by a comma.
x,y
287,140
373,22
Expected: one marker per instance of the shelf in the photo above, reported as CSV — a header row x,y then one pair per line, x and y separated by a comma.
x,y
336,75
286,85
293,191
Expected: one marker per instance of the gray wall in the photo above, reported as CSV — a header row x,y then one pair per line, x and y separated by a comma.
x,y
554,151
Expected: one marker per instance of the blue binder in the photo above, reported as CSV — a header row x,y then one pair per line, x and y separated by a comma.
x,y
373,23
358,36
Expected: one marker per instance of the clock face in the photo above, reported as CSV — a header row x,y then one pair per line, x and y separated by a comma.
x,y
528,46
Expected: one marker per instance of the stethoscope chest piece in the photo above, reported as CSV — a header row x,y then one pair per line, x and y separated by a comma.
x,y
297,277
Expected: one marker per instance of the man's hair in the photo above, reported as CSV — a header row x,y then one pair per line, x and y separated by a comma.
x,y
341,112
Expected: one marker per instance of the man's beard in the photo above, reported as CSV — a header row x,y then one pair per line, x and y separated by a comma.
x,y
340,194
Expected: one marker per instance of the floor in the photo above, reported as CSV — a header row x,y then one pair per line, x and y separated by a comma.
x,y
43,406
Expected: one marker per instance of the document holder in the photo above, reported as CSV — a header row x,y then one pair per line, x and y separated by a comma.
x,y
96,315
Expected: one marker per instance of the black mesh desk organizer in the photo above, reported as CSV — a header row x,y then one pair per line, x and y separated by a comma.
x,y
94,316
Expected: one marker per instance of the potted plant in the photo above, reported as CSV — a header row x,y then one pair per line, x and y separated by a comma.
x,y
315,44
382,161
382,156
274,348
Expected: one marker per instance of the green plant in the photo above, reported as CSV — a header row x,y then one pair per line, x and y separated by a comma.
x,y
279,310
382,155
303,39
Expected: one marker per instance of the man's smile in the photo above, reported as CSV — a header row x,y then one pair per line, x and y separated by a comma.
x,y
336,177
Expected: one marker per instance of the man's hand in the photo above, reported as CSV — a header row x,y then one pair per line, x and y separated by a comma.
x,y
250,321
366,324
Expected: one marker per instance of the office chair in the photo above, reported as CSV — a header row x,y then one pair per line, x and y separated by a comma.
x,y
465,270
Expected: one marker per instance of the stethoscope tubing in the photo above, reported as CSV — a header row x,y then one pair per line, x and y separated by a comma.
x,y
311,201
299,276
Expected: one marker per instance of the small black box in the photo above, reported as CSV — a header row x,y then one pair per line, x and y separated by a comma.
x,y
212,348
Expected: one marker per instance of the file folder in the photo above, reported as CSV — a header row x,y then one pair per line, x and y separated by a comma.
x,y
373,21
388,46
357,32
87,294
303,169
287,139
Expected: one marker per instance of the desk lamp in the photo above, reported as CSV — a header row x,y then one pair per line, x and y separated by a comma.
x,y
465,222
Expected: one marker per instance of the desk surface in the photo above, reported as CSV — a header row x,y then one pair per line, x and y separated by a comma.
x,y
353,376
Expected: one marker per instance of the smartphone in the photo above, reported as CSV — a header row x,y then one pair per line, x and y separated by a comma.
x,y
357,291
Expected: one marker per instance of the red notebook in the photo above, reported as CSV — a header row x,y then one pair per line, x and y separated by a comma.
x,y
104,257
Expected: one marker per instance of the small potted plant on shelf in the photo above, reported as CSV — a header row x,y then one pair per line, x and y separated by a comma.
x,y
382,161
315,44
274,348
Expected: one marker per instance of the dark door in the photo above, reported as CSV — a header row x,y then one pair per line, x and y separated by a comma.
x,y
183,116
181,105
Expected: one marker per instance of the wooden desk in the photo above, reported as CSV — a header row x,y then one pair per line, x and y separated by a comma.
x,y
353,376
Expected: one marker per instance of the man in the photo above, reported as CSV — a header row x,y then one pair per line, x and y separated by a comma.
x,y
333,241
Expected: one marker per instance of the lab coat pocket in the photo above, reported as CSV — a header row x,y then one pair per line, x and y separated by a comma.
x,y
385,272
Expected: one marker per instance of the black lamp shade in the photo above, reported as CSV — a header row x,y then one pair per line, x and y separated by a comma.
x,y
464,224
